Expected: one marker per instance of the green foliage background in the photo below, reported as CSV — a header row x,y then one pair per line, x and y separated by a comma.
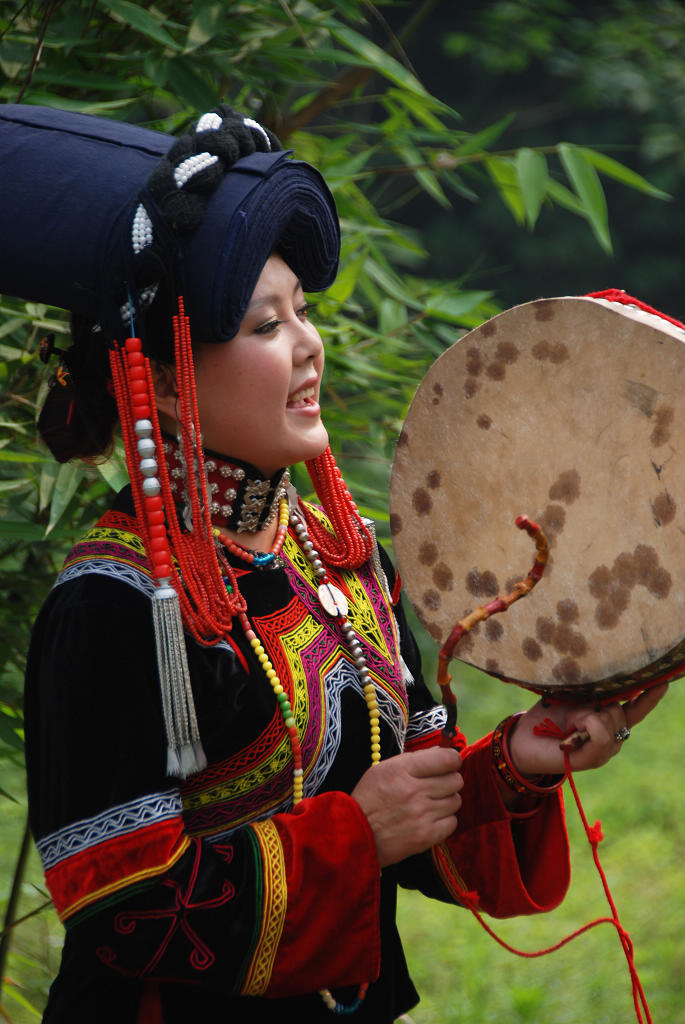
x,y
609,75
430,183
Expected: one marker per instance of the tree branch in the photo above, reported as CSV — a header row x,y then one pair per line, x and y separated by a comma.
x,y
19,869
352,78
50,9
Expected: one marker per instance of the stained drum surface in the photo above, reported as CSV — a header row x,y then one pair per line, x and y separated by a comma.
x,y
569,410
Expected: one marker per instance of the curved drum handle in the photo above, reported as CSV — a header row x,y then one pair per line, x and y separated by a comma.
x,y
484,611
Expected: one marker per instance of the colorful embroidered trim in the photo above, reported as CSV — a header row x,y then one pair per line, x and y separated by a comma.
x,y
450,877
125,845
274,909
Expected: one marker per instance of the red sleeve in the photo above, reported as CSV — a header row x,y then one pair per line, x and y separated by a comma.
x,y
517,864
331,875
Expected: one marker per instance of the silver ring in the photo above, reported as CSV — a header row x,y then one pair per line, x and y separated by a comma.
x,y
622,734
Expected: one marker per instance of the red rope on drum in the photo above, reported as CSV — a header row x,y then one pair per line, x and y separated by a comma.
x,y
618,295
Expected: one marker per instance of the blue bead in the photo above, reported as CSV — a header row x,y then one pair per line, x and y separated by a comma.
x,y
264,559
341,1008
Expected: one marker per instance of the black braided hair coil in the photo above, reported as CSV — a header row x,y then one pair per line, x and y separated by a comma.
x,y
79,415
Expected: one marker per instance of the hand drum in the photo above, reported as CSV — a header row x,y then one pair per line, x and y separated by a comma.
x,y
570,411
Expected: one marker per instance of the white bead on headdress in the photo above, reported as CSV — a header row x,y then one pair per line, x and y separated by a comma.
x,y
193,165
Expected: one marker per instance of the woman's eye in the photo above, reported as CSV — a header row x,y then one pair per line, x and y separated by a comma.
x,y
305,309
268,328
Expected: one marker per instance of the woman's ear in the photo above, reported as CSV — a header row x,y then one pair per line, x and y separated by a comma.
x,y
166,393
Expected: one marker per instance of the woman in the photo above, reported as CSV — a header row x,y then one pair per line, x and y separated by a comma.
x,y
233,760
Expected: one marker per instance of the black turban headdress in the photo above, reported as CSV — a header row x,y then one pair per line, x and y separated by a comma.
x,y
93,213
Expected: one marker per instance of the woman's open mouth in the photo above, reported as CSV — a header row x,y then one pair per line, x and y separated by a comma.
x,y
303,399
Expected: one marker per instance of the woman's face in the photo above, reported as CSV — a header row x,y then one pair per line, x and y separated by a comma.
x,y
258,394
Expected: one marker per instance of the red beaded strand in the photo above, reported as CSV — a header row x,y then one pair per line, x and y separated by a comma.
x,y
352,543
133,399
202,573
257,558
207,607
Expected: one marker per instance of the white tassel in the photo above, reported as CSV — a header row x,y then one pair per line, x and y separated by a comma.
x,y
407,674
185,754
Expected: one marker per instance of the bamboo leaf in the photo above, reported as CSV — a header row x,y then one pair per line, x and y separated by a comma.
x,y
484,138
389,282
346,281
619,172
48,478
420,111
24,530
21,530
66,485
8,734
141,20
114,471
48,99
11,325
189,86
454,307
503,173
372,56
531,169
564,197
347,169
206,23
588,186
392,316
18,428
6,486
427,178
20,998
6,456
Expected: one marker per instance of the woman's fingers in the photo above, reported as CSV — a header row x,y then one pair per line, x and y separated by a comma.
x,y
611,727
433,762
411,801
601,731
637,710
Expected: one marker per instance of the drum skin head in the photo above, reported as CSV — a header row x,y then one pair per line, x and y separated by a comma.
x,y
572,412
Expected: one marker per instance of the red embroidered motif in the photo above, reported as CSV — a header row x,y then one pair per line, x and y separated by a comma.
x,y
126,922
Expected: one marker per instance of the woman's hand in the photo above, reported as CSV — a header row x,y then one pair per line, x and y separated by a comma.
x,y
541,755
411,801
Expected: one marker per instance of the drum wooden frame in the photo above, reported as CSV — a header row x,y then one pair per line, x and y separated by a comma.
x,y
571,411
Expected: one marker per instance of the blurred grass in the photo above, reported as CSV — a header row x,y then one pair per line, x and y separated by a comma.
x,y
462,975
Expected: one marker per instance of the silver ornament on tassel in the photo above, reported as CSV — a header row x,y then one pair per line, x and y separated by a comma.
x,y
185,754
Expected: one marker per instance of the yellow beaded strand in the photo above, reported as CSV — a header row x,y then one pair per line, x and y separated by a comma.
x,y
287,712
374,722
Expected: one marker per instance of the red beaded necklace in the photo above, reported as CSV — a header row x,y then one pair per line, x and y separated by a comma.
x,y
259,559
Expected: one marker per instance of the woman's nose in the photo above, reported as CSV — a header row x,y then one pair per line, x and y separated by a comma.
x,y
308,344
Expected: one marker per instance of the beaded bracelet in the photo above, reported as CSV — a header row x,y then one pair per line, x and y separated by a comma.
x,y
505,768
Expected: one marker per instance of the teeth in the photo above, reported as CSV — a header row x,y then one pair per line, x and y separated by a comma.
x,y
299,395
